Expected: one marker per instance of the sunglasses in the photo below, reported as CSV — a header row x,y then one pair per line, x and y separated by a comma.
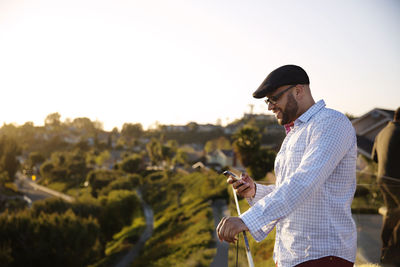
x,y
274,99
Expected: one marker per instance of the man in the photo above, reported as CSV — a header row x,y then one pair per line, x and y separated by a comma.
x,y
386,152
315,180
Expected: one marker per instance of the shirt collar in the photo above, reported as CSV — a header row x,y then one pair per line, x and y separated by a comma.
x,y
306,116
288,127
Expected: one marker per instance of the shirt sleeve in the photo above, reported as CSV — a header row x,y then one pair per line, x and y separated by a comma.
x,y
330,140
261,191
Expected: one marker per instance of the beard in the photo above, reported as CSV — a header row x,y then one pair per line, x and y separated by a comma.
x,y
289,113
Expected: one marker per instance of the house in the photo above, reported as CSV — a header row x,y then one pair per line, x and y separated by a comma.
x,y
260,117
206,128
223,158
368,126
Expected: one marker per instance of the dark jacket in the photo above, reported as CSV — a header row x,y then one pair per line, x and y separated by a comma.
x,y
386,150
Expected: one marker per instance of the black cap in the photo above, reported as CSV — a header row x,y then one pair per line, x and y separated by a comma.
x,y
285,75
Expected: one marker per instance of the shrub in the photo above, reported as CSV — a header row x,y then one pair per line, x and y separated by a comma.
x,y
48,240
118,209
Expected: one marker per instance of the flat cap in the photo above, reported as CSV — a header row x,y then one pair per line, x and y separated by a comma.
x,y
285,75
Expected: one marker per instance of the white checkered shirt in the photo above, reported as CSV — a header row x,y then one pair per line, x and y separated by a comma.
x,y
315,184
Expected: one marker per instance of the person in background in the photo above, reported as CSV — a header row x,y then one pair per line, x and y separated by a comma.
x,y
386,152
310,204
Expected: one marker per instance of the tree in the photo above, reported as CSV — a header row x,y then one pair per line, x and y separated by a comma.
x,y
84,124
132,164
154,150
119,207
169,151
26,240
4,178
83,145
9,151
246,144
181,157
53,119
257,160
27,135
100,178
193,126
67,167
132,130
262,164
36,158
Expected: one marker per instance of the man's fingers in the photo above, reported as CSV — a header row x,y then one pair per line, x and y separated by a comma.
x,y
224,231
237,184
219,228
220,225
243,188
245,177
230,180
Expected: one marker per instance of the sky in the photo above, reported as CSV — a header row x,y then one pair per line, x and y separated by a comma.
x,y
173,62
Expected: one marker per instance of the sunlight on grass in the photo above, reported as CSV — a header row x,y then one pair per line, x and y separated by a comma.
x,y
128,233
58,186
183,222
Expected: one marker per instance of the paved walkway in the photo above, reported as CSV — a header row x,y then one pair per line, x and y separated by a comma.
x,y
220,210
134,252
369,239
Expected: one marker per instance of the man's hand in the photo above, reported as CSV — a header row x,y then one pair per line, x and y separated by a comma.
x,y
229,227
245,187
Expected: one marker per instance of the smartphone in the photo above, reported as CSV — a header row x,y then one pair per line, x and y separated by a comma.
x,y
231,174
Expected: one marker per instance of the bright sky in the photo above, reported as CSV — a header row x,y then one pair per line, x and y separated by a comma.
x,y
176,61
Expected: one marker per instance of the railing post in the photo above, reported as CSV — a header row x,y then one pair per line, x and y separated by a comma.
x,y
248,252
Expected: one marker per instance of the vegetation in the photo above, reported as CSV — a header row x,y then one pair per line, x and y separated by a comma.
x,y
47,239
102,171
9,150
257,160
103,225
183,222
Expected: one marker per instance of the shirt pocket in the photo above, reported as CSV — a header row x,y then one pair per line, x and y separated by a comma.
x,y
294,154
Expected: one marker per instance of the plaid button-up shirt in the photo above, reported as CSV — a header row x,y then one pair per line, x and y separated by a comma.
x,y
310,204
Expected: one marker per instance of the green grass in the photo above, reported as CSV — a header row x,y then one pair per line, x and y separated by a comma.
x,y
9,189
125,239
122,242
57,186
183,221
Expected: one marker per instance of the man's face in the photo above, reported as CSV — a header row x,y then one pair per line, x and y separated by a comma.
x,y
286,107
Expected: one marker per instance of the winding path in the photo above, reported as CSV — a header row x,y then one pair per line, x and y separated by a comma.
x,y
220,210
132,254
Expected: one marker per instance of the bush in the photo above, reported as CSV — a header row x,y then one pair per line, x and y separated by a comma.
x,y
99,179
123,183
48,240
132,164
119,208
